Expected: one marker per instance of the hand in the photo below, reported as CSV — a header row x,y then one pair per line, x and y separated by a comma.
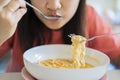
x,y
26,75
104,77
11,11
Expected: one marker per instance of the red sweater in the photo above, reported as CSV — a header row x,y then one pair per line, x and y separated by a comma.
x,y
95,26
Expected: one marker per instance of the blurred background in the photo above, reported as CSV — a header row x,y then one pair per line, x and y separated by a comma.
x,y
109,10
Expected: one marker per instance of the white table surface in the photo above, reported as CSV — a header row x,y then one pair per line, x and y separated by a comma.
x,y
11,76
112,75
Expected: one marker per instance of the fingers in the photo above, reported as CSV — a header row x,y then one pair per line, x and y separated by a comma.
x,y
3,3
14,5
19,13
17,9
13,10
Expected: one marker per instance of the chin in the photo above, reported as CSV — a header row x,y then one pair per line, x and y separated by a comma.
x,y
55,27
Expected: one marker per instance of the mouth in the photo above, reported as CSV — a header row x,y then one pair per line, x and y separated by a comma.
x,y
55,16
59,16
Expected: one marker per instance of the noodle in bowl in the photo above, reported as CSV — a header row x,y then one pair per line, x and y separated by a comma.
x,y
99,60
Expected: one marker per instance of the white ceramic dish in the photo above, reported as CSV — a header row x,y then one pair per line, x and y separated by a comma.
x,y
31,56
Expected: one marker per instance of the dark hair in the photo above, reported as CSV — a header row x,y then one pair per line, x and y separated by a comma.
x,y
30,28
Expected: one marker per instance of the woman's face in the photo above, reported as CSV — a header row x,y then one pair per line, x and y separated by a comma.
x,y
64,8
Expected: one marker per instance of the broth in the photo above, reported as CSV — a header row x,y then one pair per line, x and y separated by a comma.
x,y
62,63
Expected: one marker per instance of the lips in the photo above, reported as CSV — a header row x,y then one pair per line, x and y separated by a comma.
x,y
53,14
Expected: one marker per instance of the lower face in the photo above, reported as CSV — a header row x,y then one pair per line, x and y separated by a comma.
x,y
64,8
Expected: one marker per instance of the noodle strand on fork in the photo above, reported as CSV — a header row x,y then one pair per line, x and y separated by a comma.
x,y
78,51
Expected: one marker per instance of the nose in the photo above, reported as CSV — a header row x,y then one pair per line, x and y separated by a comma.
x,y
53,5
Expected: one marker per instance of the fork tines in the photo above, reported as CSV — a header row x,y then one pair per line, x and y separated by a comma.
x,y
71,35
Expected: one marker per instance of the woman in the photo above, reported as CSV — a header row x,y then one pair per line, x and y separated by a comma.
x,y
76,17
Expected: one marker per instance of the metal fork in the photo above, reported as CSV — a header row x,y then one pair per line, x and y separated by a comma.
x,y
94,37
41,14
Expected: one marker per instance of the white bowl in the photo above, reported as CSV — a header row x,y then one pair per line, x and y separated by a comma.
x,y
33,55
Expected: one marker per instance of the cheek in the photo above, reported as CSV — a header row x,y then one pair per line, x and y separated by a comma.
x,y
71,9
40,4
69,14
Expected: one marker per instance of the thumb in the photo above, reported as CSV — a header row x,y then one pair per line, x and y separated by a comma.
x,y
19,14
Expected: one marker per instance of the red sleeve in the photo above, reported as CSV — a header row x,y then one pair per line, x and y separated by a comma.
x,y
110,45
5,47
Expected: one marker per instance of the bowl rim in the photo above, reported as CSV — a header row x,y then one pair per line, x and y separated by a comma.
x,y
107,63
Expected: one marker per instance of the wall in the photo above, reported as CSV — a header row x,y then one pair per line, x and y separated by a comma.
x,y
109,10
102,5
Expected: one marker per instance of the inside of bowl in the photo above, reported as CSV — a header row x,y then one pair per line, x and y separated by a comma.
x,y
39,53
48,52
96,57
